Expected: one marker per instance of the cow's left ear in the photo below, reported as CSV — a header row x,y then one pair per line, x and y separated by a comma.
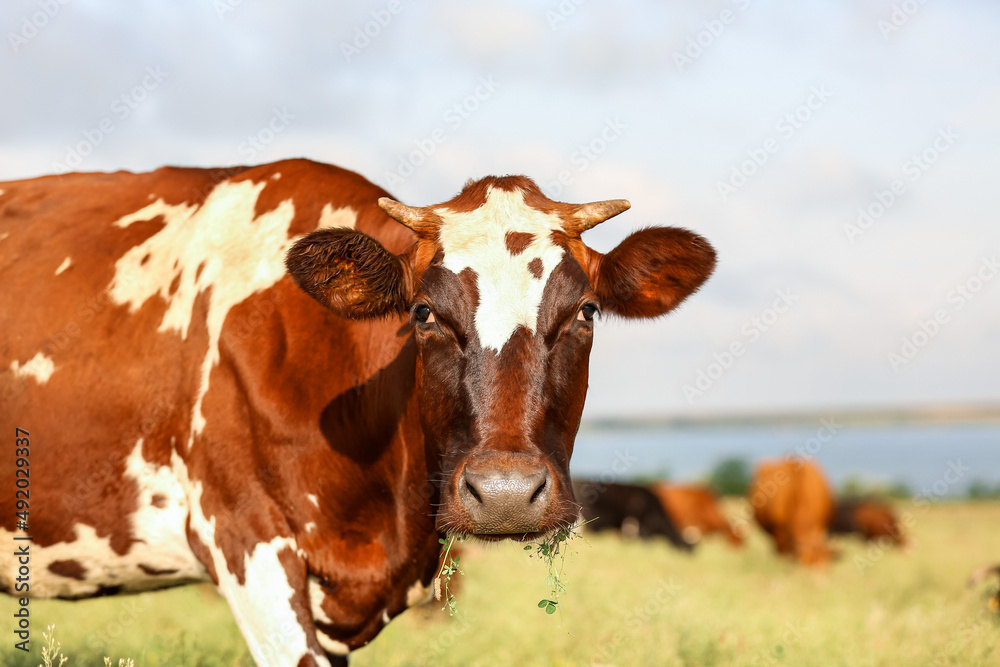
x,y
350,273
651,271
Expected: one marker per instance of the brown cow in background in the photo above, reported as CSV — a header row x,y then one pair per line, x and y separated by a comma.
x,y
695,511
869,518
792,502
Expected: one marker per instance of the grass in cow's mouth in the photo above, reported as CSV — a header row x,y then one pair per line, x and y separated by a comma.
x,y
550,549
449,567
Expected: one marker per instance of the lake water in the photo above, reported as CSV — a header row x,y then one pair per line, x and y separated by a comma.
x,y
920,456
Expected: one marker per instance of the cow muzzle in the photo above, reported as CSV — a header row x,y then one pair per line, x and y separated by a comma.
x,y
505,494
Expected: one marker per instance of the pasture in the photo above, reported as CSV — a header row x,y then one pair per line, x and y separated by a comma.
x,y
629,603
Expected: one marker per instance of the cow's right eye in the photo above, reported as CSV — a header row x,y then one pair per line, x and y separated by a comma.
x,y
423,314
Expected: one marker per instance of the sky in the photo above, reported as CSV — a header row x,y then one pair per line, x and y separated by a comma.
x,y
842,157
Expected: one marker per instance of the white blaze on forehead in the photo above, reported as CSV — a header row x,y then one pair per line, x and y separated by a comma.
x,y
240,253
344,216
261,605
65,265
39,367
509,294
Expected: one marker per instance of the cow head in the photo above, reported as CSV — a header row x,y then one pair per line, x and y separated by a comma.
x,y
502,295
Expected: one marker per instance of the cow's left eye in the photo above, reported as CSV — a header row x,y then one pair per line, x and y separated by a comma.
x,y
586,313
423,314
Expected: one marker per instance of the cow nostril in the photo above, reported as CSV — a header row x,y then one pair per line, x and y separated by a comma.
x,y
472,490
538,492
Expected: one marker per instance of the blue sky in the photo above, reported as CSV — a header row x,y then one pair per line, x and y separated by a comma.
x,y
655,102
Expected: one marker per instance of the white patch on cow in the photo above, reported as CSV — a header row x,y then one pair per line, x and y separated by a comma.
x,y
65,265
161,544
39,367
4,235
344,216
316,595
311,526
275,176
509,295
241,254
418,594
261,605
313,499
385,616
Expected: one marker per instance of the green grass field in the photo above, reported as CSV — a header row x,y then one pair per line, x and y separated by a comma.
x,y
629,603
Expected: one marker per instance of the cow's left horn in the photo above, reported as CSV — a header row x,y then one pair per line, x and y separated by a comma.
x,y
413,217
590,215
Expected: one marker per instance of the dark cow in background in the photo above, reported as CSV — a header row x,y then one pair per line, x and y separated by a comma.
x,y
869,518
695,511
300,437
793,503
633,510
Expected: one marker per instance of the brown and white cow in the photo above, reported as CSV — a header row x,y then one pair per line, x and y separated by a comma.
x,y
301,437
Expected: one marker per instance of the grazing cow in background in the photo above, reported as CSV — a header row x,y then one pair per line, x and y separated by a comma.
x,y
981,575
633,510
870,518
280,380
793,503
695,511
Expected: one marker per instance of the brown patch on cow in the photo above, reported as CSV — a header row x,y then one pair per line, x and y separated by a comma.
x,y
174,284
535,266
145,258
152,571
306,660
158,500
202,553
68,568
518,241
197,273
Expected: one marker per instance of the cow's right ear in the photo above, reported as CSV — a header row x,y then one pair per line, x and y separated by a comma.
x,y
350,273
